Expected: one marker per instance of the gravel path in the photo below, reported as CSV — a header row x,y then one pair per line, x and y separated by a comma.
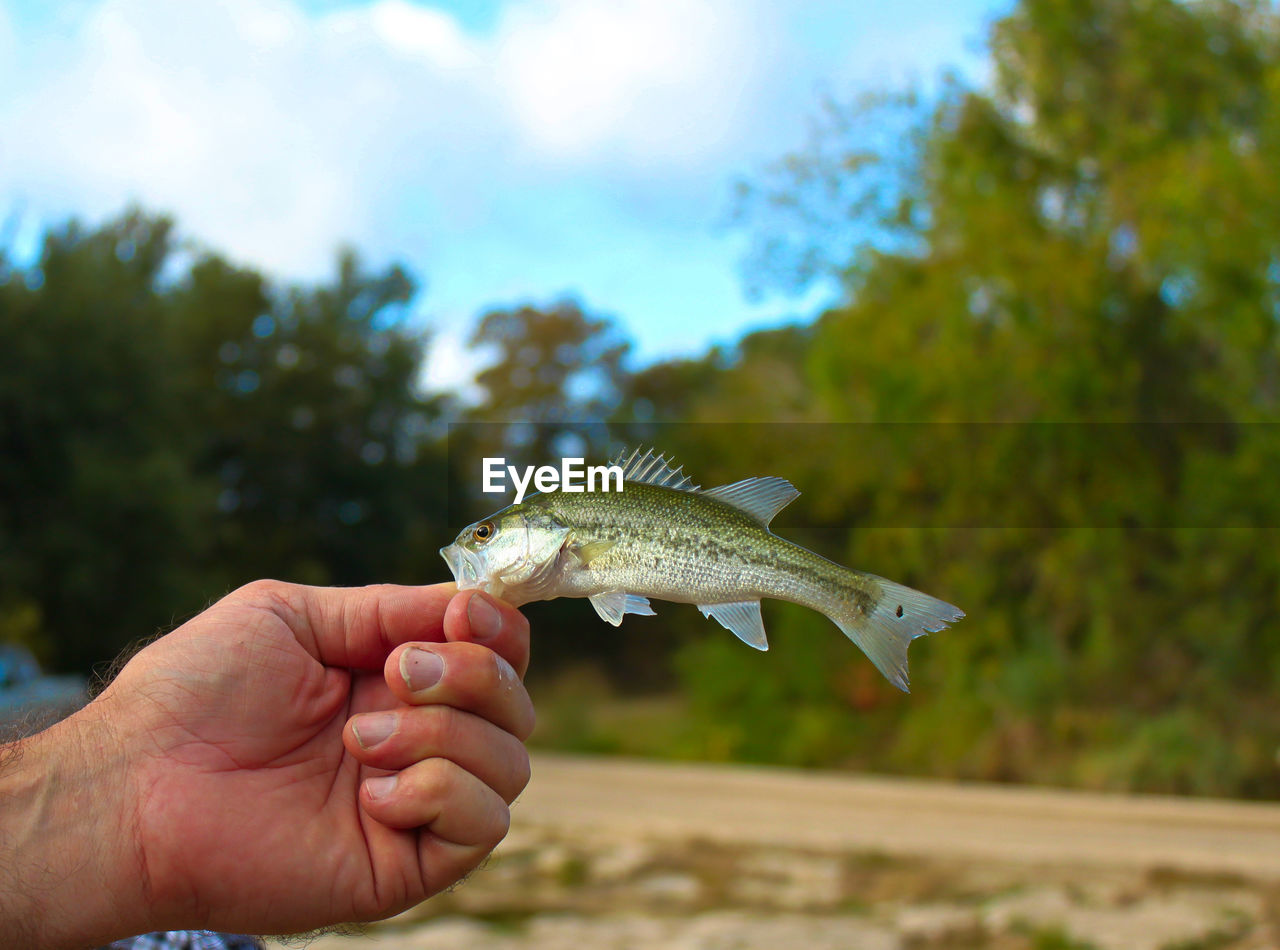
x,y
640,856
904,816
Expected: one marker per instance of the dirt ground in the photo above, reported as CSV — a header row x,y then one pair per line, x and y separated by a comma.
x,y
621,855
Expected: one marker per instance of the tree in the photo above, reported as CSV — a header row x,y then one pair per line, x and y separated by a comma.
x,y
558,372
171,426
1094,240
99,505
312,423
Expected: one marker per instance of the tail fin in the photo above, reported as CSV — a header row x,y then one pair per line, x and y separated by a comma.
x,y
888,624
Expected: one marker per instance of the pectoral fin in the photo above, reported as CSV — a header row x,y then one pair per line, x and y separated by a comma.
x,y
613,605
589,551
742,619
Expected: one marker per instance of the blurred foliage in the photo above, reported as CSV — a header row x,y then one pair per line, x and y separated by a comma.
x,y
552,366
1094,239
1049,395
172,426
554,374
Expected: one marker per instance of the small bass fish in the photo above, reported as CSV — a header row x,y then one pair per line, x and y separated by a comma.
x,y
663,537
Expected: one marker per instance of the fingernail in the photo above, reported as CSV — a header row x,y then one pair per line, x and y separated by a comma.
x,y
421,669
506,672
372,729
484,618
380,786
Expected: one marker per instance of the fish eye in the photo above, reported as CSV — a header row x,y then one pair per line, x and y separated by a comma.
x,y
483,531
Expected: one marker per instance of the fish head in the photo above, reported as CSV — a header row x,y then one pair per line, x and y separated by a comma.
x,y
511,554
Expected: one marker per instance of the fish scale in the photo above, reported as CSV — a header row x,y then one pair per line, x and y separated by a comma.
x,y
661,536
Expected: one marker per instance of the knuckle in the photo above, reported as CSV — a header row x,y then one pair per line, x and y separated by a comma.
x,y
438,727
280,597
369,612
264,589
435,777
475,673
364,613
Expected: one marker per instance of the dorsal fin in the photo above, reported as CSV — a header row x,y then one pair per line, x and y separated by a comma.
x,y
761,498
644,467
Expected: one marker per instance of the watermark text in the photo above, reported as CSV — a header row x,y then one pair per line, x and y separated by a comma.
x,y
573,475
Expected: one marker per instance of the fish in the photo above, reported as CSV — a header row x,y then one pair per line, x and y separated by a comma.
x,y
663,537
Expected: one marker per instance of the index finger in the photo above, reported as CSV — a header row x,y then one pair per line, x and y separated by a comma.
x,y
476,617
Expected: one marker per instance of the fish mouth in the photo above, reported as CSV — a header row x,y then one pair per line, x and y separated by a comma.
x,y
464,565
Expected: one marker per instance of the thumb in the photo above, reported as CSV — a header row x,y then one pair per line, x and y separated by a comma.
x,y
354,627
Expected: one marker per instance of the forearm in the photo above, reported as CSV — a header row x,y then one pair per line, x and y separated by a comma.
x,y
67,877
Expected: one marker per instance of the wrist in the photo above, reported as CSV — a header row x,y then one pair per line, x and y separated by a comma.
x,y
69,871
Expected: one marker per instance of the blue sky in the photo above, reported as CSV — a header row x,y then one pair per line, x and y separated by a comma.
x,y
507,151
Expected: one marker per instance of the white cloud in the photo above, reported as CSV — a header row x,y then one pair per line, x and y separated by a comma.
x,y
658,79
171,105
420,31
275,135
542,158
270,134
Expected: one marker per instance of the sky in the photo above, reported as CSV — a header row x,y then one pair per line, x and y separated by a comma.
x,y
506,151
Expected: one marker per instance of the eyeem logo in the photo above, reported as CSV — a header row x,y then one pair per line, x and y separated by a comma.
x,y
573,475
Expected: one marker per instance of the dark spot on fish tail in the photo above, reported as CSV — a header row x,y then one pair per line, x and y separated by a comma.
x,y
899,610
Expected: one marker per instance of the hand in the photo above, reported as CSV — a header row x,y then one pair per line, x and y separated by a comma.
x,y
238,793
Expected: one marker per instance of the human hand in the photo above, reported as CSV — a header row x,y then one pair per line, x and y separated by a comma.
x,y
232,782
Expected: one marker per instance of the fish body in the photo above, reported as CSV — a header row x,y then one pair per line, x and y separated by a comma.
x,y
663,537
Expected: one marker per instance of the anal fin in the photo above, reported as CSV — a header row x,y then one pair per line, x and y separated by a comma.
x,y
742,619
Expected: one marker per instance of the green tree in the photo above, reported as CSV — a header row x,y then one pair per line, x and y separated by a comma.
x,y
312,424
557,373
100,508
171,426
1095,239
762,376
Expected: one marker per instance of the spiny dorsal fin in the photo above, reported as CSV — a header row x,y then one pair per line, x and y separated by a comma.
x,y
644,467
761,498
